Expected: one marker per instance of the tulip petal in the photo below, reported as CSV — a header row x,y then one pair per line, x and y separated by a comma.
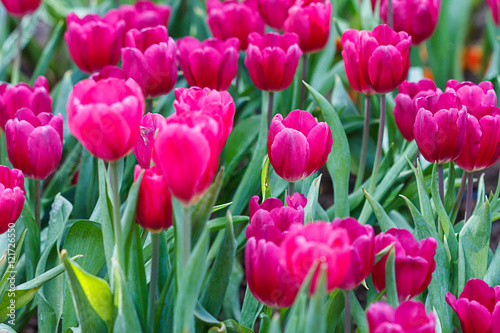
x,y
289,154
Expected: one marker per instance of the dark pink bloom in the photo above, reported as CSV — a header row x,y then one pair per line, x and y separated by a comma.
x,y
298,145
212,63
154,204
20,8
405,109
234,19
440,127
94,42
11,196
408,317
494,6
144,14
272,60
13,98
414,262
376,61
34,142
143,149
149,57
109,72
480,99
478,307
105,116
274,12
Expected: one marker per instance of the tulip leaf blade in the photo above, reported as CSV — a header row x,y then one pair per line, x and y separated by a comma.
x,y
390,279
48,50
250,310
32,240
358,313
266,184
312,201
423,197
384,220
105,209
315,315
126,318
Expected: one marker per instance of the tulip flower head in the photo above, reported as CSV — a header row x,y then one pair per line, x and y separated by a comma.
x,y
143,149
11,196
109,72
141,15
20,8
408,317
274,12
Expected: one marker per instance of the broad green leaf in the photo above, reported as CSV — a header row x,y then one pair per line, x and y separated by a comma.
x,y
384,220
12,257
315,317
250,310
312,201
390,279
358,313
32,242
128,215
266,184
126,319
423,197
6,329
334,307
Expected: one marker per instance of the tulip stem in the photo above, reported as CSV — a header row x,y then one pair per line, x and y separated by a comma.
x,y
468,203
304,79
390,14
155,256
364,145
16,71
378,152
117,3
149,105
291,188
347,311
186,244
458,200
37,203
270,109
113,177
441,182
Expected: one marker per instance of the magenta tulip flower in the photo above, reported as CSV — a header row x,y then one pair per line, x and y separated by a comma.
x,y
234,19
376,61
105,116
20,8
405,109
274,12
94,42
362,239
149,57
212,63
109,72
408,317
13,98
494,6
34,142
298,145
311,21
11,196
141,15
440,127
143,149
272,60
414,262
478,307
154,203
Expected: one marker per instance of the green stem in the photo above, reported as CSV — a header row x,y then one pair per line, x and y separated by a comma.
x,y
378,152
186,230
468,203
113,177
149,105
37,203
155,258
390,14
16,71
270,109
117,3
364,145
291,188
304,79
347,311
458,200
441,182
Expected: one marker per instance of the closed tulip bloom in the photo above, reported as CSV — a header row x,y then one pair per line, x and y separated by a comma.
x,y
143,149
440,127
34,142
105,116
272,60
376,60
298,145
405,109
212,63
154,203
478,307
13,98
408,317
143,14
11,196
234,19
414,262
311,21
274,12
494,6
20,8
362,239
149,57
94,42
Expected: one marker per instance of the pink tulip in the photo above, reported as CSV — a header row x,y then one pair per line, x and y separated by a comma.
x,y
362,239
414,262
419,18
94,42
478,307
376,61
298,145
144,14
440,127
274,12
109,72
494,6
11,196
143,149
272,60
34,142
105,116
408,317
310,20
154,204
23,96
405,109
234,19
149,57
20,8
212,63
479,99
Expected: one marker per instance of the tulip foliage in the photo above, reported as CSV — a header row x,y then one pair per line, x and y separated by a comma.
x,y
249,166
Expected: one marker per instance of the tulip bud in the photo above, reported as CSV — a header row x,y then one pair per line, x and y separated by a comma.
x,y
154,203
212,63
234,19
310,20
20,8
408,317
34,142
478,307
11,196
405,109
143,149
141,15
149,57
105,116
298,145
376,61
494,6
20,96
274,12
94,42
272,60
414,262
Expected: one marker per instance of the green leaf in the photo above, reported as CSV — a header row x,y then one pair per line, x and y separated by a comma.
x,y
315,317
334,307
449,196
250,310
48,50
423,197
128,216
11,259
390,279
384,220
64,175
312,201
126,319
266,184
358,313
32,243
6,329
105,209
